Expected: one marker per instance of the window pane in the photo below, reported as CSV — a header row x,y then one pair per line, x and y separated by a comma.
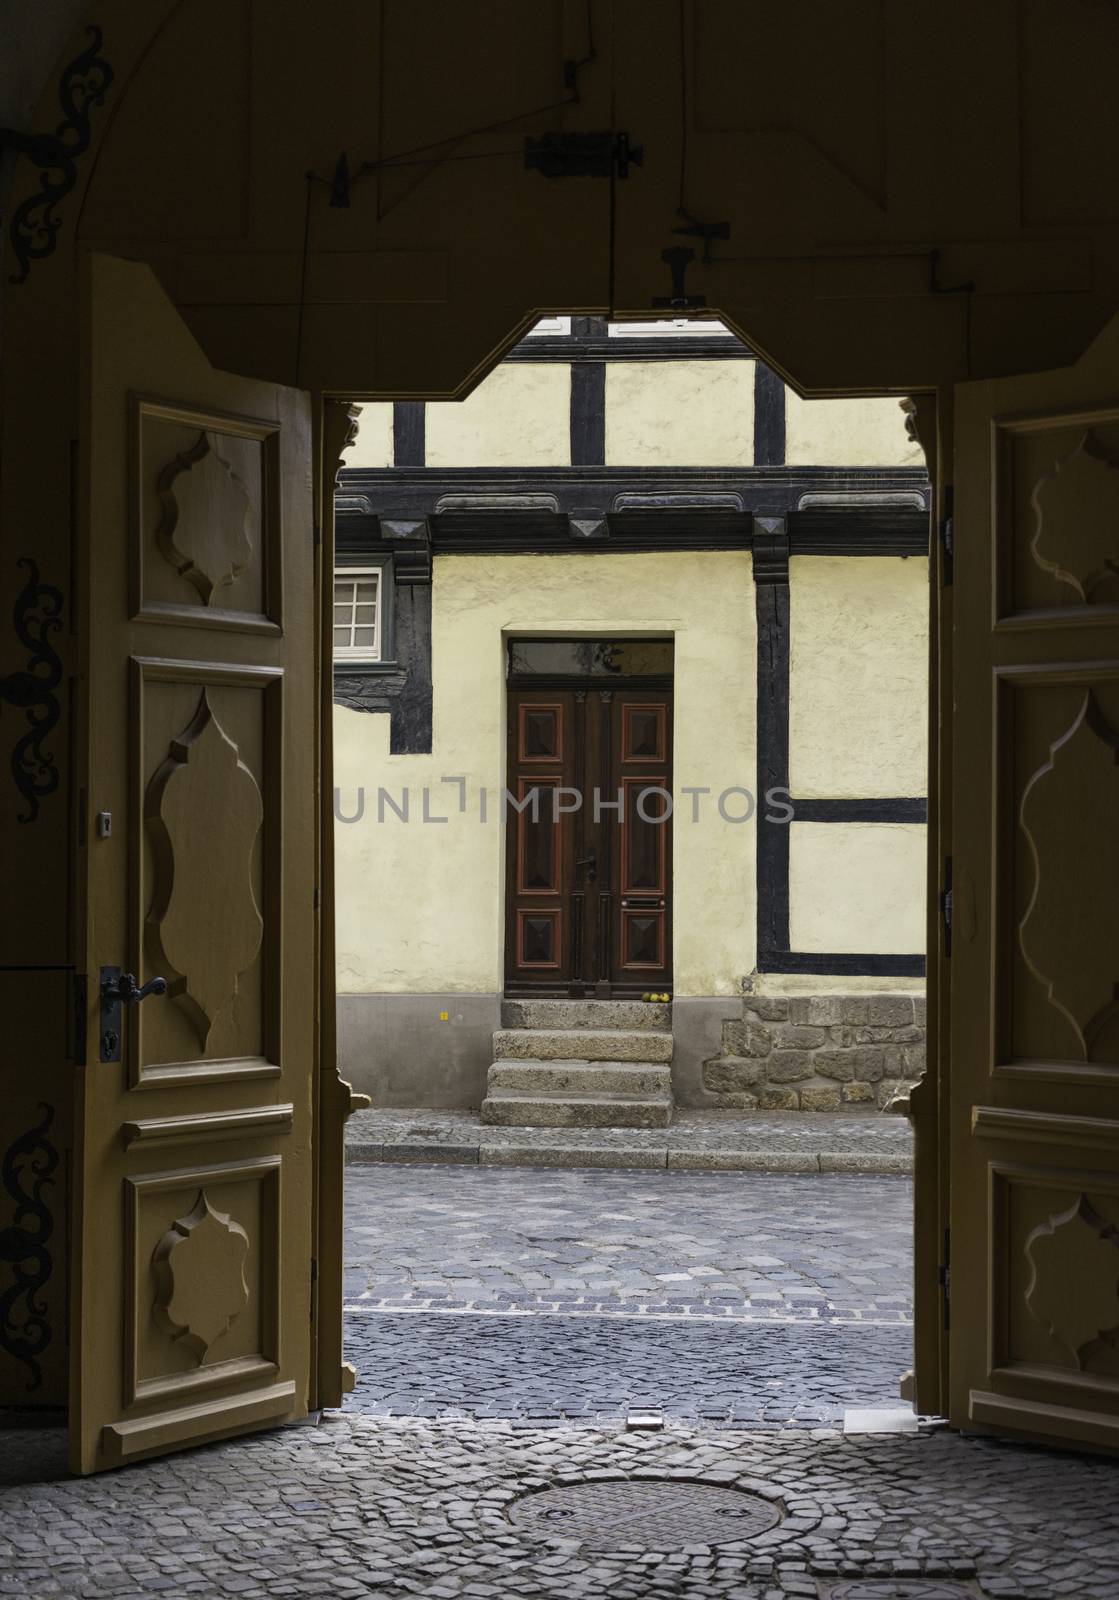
x,y
357,613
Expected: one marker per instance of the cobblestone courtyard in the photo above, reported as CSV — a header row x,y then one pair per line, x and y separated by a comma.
x,y
400,1507
749,1309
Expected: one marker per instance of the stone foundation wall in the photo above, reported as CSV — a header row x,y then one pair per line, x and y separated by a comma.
x,y
818,1052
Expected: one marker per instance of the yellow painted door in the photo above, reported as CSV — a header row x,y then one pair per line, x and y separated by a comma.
x,y
1034,1268
192,1304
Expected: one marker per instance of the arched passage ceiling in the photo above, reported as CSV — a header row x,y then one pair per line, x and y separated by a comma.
x,y
842,145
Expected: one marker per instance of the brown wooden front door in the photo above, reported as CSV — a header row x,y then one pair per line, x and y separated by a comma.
x,y
589,831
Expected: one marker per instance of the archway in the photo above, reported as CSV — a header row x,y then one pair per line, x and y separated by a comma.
x,y
245,199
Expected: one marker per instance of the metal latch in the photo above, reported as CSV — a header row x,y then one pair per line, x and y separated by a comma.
x,y
948,534
120,989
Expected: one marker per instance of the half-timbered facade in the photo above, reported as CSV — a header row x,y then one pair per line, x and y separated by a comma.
x,y
631,566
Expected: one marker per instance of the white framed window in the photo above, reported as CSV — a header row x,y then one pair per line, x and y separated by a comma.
x,y
358,609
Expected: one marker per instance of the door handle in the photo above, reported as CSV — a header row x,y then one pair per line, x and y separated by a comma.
x,y
124,988
590,861
121,989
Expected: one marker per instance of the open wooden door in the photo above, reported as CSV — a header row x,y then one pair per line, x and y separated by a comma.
x,y
194,1187
1034,1301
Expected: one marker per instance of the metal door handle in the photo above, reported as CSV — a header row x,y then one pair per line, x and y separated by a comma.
x,y
121,989
126,991
591,862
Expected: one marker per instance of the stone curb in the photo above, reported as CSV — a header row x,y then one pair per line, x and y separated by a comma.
x,y
421,1150
623,1158
550,1155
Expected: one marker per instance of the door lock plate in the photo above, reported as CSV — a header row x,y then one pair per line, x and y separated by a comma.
x,y
110,1014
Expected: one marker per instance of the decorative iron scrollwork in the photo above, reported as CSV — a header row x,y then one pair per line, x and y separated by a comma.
x,y
34,226
28,1167
38,614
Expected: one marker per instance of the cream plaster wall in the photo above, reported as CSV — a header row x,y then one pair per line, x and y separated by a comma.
x,y
519,417
848,433
857,887
858,693
680,413
373,446
658,413
420,907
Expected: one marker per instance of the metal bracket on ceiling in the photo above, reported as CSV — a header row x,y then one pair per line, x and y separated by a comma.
x,y
678,259
340,184
341,180
582,155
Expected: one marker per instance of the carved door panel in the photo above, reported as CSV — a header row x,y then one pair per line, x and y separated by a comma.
x,y
1034,1271
642,840
192,1295
545,891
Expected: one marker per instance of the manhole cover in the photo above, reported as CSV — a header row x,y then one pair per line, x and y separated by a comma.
x,y
659,1515
900,1589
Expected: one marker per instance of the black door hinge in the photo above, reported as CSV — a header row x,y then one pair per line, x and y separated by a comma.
x,y
582,155
316,535
944,1274
946,905
948,535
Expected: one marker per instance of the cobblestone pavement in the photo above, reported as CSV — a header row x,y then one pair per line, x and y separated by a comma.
x,y
773,1299
549,1369
361,1506
772,1246
761,1141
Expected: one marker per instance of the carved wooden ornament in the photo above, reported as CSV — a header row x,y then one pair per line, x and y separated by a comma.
x,y
1074,1289
204,811
203,532
1068,815
200,1277
1076,518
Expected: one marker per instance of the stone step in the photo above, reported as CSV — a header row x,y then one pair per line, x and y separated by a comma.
x,y
582,1077
520,1108
586,1014
581,1044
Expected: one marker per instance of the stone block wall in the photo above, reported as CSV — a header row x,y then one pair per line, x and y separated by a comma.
x,y
818,1052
